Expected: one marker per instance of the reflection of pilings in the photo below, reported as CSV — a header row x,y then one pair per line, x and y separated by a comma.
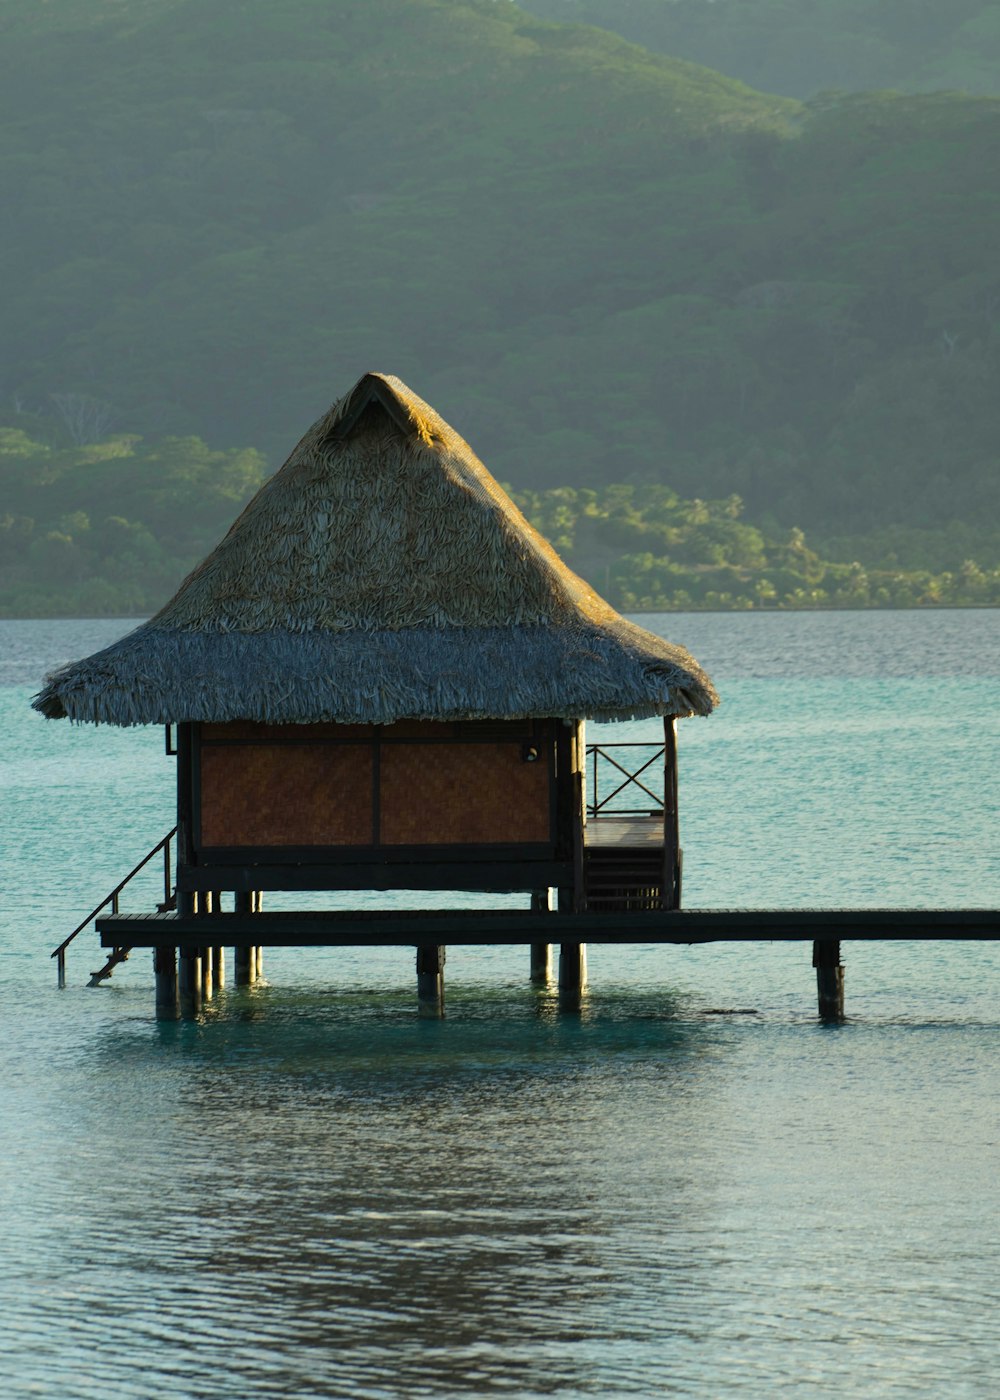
x,y
165,970
572,972
189,980
829,978
430,979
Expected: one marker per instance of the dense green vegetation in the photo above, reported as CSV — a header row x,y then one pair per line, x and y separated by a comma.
x,y
112,528
802,47
605,266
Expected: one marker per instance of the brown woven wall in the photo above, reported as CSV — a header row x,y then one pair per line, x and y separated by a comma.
x,y
286,795
460,794
282,785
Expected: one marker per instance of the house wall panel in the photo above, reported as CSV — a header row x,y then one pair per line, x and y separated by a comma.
x,y
286,795
462,794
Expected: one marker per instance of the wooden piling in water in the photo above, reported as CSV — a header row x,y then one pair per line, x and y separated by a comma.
x,y
165,970
189,980
541,964
258,951
829,978
572,972
243,903
241,967
219,966
207,974
541,953
430,979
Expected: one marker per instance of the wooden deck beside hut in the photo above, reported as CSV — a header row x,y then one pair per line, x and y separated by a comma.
x,y
379,681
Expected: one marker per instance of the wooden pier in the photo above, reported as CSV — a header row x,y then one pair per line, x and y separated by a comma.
x,y
403,928
200,938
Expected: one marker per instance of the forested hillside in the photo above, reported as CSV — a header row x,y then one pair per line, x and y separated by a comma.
x,y
802,47
111,529
603,266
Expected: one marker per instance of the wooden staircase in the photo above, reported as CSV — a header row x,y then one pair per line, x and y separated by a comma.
x,y
623,878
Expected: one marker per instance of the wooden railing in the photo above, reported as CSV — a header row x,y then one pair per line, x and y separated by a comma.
x,y
60,953
621,779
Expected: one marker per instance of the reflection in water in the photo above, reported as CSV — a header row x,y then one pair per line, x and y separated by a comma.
x,y
455,1203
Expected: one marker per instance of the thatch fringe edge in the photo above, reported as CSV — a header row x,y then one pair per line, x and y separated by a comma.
x,y
161,676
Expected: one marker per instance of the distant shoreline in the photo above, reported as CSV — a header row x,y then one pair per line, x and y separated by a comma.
x,y
628,612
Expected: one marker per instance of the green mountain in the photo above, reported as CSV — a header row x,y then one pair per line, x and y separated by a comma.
x,y
802,47
603,265
111,528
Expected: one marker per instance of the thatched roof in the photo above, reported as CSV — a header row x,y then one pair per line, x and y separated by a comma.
x,y
381,574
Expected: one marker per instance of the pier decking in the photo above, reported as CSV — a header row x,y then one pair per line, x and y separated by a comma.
x,y
406,928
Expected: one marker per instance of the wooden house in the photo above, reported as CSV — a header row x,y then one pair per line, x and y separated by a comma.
x,y
378,680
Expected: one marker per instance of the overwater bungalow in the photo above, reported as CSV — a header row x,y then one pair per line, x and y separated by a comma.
x,y
379,680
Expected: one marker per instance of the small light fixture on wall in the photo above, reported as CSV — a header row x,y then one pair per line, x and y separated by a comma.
x,y
529,753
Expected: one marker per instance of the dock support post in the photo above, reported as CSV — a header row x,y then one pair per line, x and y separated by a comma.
x,y
257,905
829,978
541,964
541,953
189,980
207,974
572,973
219,967
241,967
430,979
165,970
243,903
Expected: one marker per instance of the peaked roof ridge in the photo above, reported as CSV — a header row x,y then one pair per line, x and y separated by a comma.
x,y
399,401
374,529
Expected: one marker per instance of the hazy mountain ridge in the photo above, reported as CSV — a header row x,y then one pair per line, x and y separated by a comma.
x,y
802,47
600,264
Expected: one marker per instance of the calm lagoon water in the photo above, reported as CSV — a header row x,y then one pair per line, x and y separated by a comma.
x,y
312,1193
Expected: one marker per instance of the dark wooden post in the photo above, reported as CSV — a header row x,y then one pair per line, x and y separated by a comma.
x,y
207,973
671,823
257,967
242,970
572,973
165,970
541,953
189,980
573,956
541,964
430,979
829,978
219,966
579,845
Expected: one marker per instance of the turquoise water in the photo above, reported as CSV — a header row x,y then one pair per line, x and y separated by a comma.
x,y
312,1193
